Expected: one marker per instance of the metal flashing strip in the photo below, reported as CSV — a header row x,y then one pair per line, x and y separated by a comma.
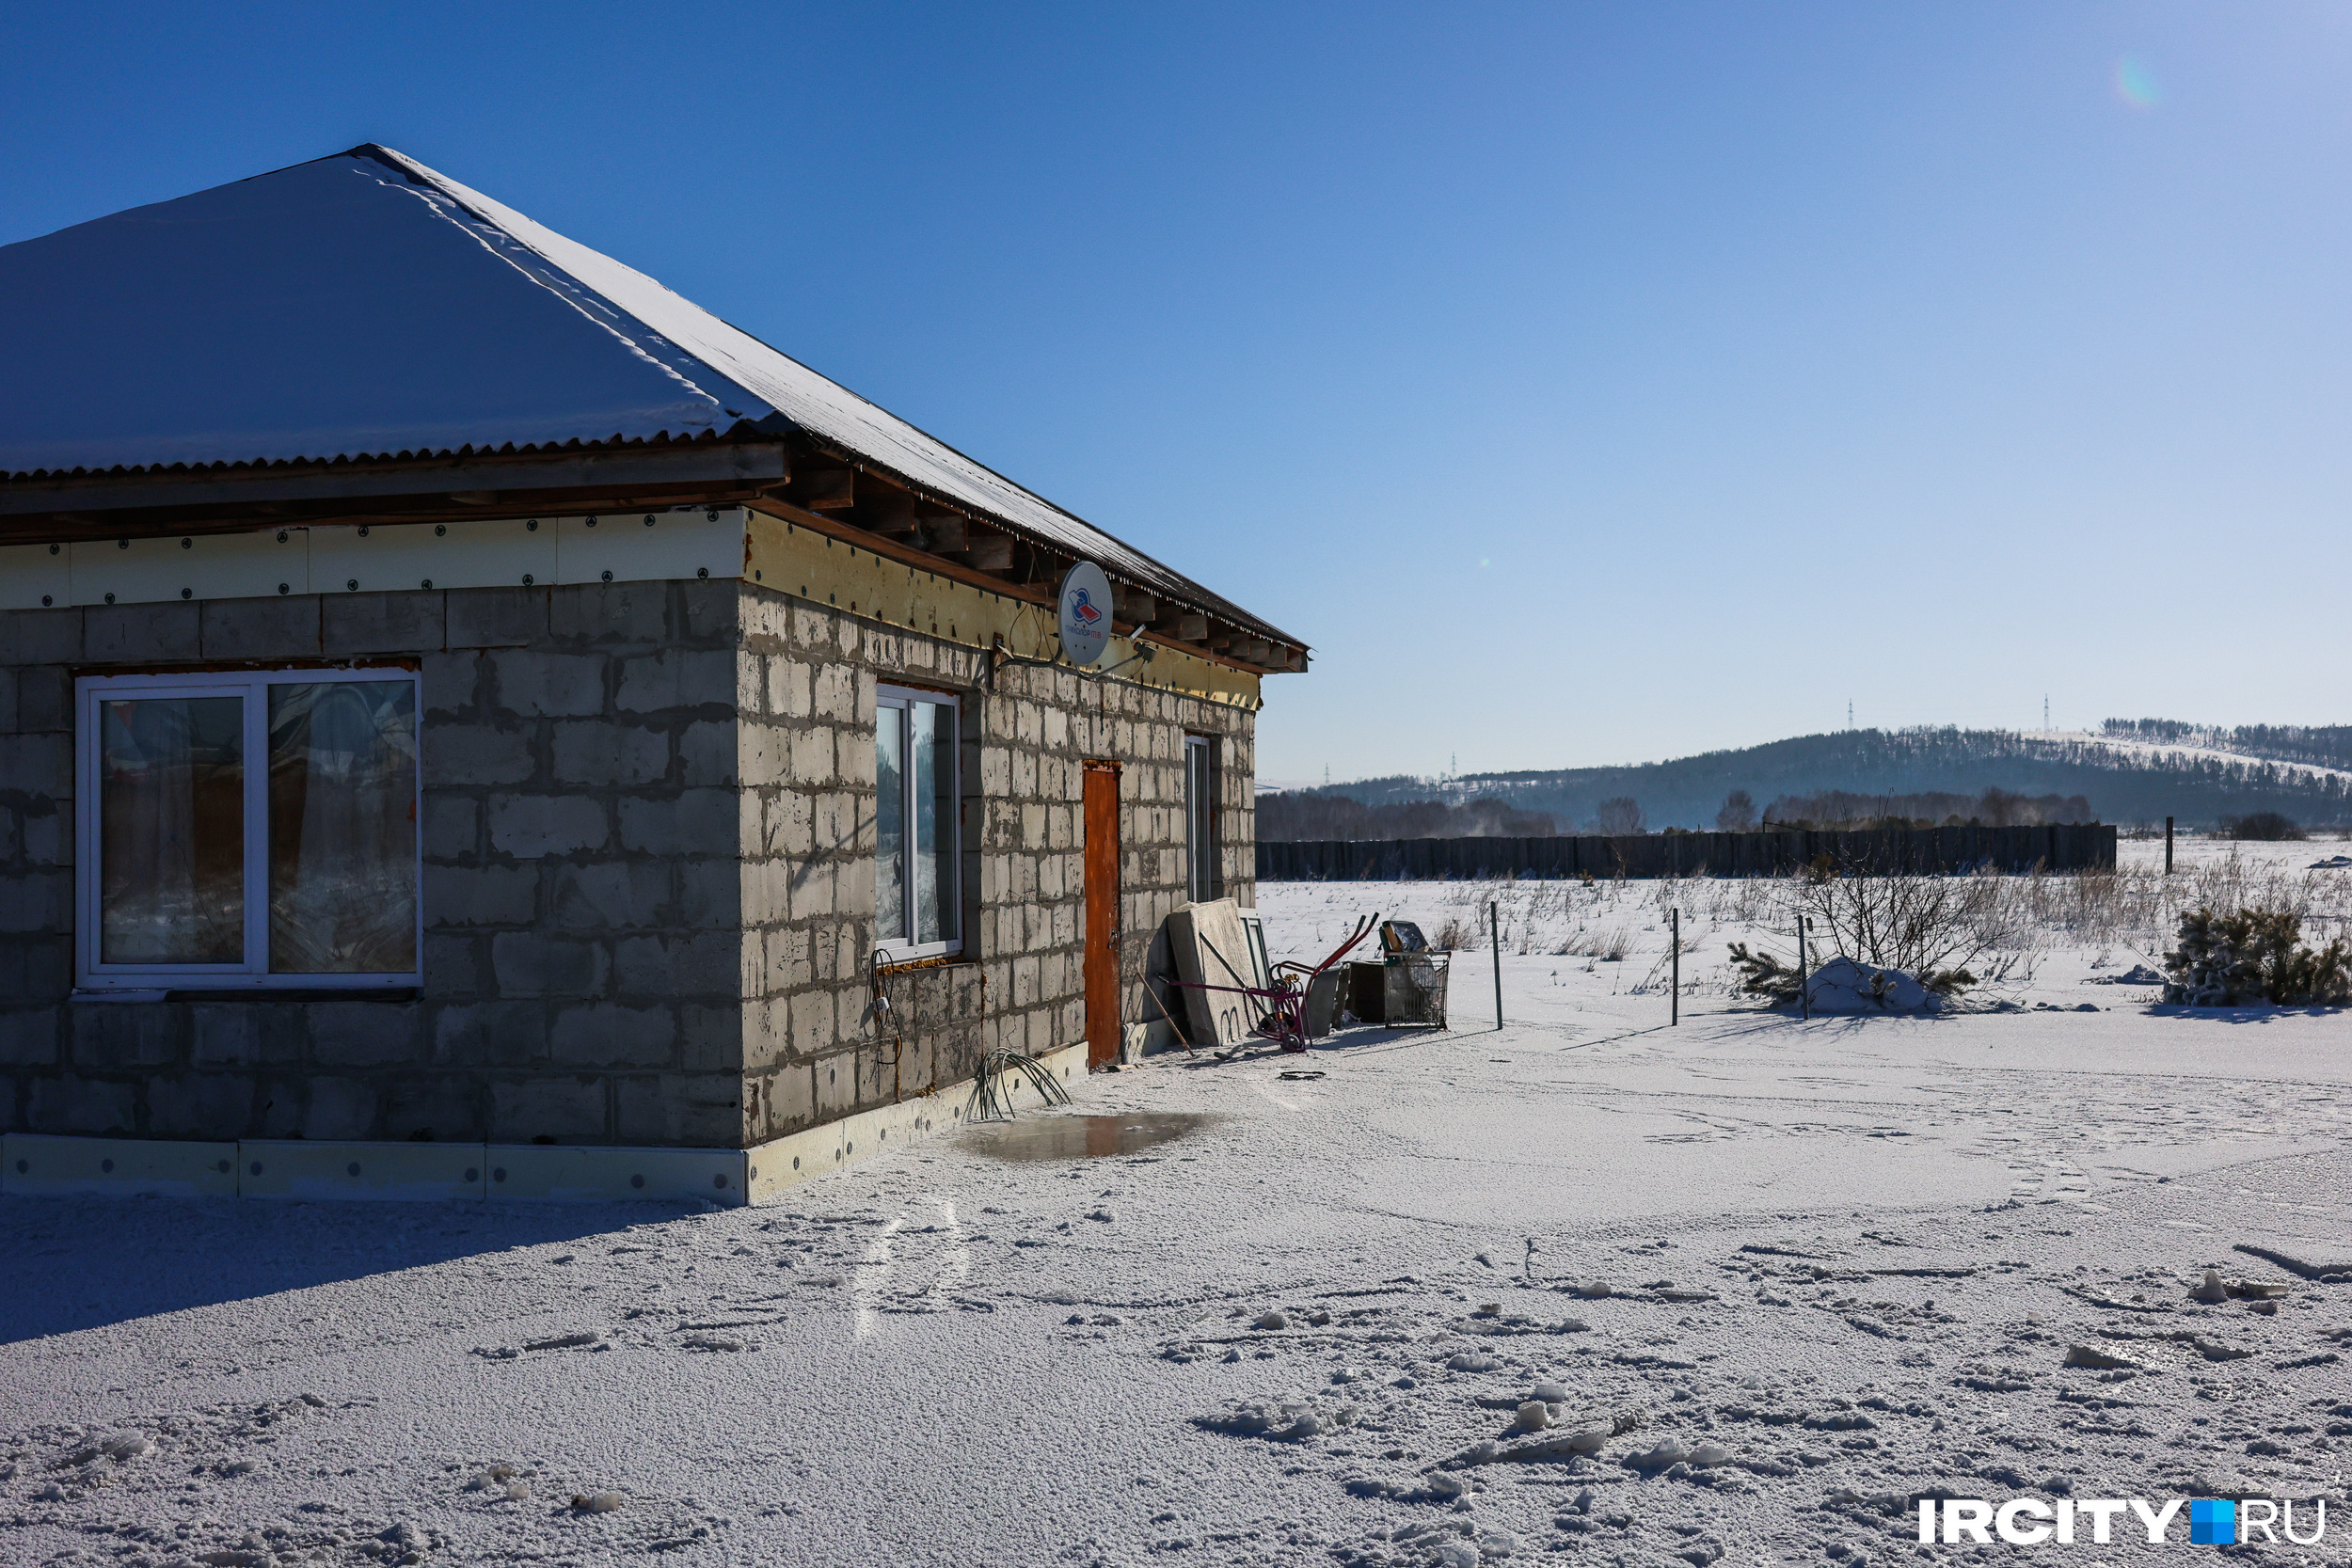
x,y
615,546
334,1168
780,1164
339,1170
589,1174
36,1165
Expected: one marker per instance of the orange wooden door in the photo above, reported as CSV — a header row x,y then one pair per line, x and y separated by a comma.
x,y
1102,953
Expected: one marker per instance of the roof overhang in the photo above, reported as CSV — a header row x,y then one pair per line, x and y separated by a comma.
x,y
877,511
98,505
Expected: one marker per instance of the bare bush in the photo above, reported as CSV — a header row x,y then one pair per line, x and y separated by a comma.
x,y
2139,908
1933,927
1317,814
2133,913
1997,808
1738,815
1620,816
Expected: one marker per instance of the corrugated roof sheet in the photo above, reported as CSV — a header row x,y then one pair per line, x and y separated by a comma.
x,y
366,306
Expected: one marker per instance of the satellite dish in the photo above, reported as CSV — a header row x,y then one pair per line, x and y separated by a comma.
x,y
1083,606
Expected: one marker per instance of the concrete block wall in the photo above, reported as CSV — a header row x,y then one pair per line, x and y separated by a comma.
x,y
649,836
815,1047
580,965
37,652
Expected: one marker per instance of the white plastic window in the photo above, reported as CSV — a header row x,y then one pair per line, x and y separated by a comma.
x,y
917,793
1201,846
246,830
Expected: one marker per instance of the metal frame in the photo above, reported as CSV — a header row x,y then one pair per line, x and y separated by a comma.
x,y
899,948
1284,992
91,974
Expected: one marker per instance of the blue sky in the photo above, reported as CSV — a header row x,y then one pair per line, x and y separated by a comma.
x,y
1588,384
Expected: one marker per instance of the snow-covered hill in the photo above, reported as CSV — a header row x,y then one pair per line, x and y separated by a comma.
x,y
2132,771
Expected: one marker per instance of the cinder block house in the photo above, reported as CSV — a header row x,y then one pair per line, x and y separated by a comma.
x,y
474,721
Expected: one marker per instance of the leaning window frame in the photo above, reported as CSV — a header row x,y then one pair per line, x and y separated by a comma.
x,y
902,948
254,973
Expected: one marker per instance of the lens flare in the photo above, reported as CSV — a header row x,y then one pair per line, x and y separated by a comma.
x,y
2135,84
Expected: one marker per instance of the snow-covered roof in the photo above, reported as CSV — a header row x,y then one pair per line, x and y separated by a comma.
x,y
364,306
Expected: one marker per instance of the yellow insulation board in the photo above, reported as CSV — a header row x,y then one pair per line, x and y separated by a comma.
x,y
781,555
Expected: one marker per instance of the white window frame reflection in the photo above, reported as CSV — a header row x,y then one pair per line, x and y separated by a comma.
x,y
1201,850
91,973
891,704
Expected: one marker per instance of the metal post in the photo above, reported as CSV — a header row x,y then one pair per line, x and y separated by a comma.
x,y
1674,935
1805,993
1494,924
2167,847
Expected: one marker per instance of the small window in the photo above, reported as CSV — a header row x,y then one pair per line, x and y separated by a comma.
x,y
1200,846
917,816
250,829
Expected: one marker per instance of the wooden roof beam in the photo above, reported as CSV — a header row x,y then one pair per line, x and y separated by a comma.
x,y
986,550
819,489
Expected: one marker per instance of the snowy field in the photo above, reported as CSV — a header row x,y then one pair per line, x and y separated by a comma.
x,y
1853,1256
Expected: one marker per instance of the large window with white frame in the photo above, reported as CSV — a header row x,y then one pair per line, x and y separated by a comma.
x,y
917,904
1200,845
252,829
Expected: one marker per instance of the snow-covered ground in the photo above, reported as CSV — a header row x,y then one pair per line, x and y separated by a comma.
x,y
1854,1254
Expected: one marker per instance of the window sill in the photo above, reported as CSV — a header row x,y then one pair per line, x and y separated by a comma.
x,y
892,964
258,993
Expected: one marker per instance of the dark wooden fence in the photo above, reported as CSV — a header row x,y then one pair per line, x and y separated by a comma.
x,y
2078,846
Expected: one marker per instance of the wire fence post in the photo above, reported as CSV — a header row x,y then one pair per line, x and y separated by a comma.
x,y
1494,925
1674,936
2167,847
1805,987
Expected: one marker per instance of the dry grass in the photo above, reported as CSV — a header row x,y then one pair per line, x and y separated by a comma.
x,y
2127,916
1608,943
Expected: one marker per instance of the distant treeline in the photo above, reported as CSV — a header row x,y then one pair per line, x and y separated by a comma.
x,y
2321,745
1873,852
1995,808
1307,816
2120,786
